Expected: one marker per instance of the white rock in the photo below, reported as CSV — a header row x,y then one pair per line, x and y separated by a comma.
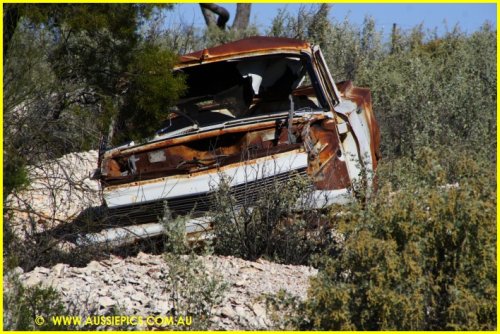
x,y
131,280
129,289
102,292
136,286
139,297
106,302
18,271
227,311
161,306
240,311
259,310
42,270
59,269
33,279
241,283
94,266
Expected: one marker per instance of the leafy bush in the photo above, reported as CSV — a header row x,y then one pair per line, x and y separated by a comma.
x,y
427,89
276,221
22,305
193,289
439,92
175,232
15,175
419,256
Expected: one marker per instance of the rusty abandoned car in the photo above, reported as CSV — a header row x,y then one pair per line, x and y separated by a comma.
x,y
256,109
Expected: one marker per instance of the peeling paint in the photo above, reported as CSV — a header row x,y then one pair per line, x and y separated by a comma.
x,y
272,108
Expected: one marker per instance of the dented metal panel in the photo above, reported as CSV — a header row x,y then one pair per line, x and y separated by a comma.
x,y
129,234
202,182
246,47
271,110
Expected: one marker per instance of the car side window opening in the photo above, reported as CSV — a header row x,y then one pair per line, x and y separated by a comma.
x,y
232,89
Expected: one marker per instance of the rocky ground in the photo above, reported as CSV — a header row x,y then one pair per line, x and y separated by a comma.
x,y
140,286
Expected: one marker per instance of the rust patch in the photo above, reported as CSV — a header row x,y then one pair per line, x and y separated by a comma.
x,y
262,86
192,137
362,97
211,171
248,45
326,168
112,167
197,155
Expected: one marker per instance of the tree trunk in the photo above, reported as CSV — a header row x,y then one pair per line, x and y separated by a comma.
x,y
207,15
242,17
222,13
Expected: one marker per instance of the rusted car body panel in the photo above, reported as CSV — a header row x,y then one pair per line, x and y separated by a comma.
x,y
257,109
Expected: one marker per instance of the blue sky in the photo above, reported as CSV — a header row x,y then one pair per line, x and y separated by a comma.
x,y
469,16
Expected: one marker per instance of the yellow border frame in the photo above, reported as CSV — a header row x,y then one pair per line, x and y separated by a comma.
x,y
258,1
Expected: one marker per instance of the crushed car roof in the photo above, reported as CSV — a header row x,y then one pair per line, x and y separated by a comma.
x,y
248,45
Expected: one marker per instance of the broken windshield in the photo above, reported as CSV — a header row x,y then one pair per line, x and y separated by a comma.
x,y
234,89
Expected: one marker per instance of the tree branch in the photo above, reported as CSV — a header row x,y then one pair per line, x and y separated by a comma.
x,y
221,12
242,17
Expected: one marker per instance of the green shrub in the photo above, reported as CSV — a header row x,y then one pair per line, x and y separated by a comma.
x,y
175,232
283,309
193,289
427,89
419,256
15,175
275,221
22,305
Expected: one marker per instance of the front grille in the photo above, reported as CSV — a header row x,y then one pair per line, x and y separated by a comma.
x,y
244,194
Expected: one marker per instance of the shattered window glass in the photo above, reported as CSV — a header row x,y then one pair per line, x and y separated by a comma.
x,y
242,88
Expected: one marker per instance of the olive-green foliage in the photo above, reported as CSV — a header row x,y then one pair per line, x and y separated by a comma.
x,y
185,39
72,71
419,256
285,310
347,47
15,175
22,305
275,221
214,36
441,91
427,89
192,288
153,88
175,232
